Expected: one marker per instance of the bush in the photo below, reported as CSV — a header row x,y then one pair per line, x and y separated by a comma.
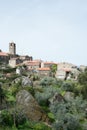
x,y
6,118
69,122
69,115
47,81
68,86
41,126
45,95
13,117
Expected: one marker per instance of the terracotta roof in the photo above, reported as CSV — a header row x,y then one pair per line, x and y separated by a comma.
x,y
43,69
32,63
3,54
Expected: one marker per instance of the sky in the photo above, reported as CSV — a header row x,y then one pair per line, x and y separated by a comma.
x,y
50,30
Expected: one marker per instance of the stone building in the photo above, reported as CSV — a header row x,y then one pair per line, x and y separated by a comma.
x,y
12,48
33,65
66,71
13,62
44,71
26,58
4,57
47,64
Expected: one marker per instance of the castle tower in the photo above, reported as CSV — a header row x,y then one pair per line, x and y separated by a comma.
x,y
12,48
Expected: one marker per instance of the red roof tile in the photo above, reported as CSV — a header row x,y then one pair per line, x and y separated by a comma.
x,y
32,63
3,54
44,69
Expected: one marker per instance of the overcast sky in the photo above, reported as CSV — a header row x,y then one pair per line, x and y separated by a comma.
x,y
51,30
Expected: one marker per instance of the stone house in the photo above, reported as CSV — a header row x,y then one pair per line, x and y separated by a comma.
x,y
63,74
4,57
26,58
47,64
13,62
66,71
32,65
44,71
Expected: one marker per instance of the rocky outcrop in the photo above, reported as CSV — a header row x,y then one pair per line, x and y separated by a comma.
x,y
25,81
30,106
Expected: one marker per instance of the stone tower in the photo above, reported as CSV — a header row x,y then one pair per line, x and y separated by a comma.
x,y
12,48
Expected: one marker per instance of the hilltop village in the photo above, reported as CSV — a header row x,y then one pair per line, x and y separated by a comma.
x,y
62,70
39,95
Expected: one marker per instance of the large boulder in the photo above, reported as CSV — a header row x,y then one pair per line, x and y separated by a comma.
x,y
69,96
26,81
30,106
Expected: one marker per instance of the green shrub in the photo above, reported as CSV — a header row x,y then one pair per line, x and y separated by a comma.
x,y
69,115
13,117
45,95
6,118
68,86
41,126
47,81
51,117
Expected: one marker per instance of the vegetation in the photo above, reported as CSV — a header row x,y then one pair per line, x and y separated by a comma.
x,y
64,102
82,79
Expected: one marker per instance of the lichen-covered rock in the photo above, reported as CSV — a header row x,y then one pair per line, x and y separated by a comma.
x,y
25,81
68,96
30,106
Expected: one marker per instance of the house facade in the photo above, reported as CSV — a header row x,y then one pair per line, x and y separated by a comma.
x,y
4,57
66,71
13,62
47,64
44,71
32,65
26,58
